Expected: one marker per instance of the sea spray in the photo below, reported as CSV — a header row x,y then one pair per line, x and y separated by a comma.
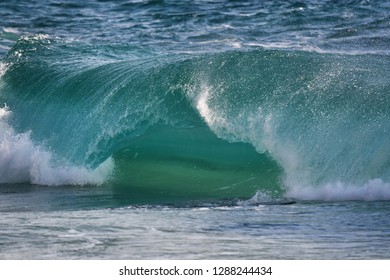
x,y
373,190
22,161
275,120
195,129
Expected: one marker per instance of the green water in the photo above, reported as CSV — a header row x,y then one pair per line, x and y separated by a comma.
x,y
194,129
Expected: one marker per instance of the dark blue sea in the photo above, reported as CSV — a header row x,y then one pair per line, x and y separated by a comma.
x,y
194,129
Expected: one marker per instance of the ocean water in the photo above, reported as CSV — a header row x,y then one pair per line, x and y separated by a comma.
x,y
194,129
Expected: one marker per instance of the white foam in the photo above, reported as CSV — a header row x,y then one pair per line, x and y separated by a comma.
x,y
3,68
11,30
214,117
307,46
210,117
21,161
260,197
375,189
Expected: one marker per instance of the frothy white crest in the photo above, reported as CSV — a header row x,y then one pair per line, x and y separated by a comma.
x,y
214,116
375,189
11,30
297,176
22,161
3,68
308,46
39,36
282,151
259,198
211,118
4,113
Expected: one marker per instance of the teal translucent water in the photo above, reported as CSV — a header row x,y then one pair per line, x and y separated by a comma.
x,y
162,111
269,120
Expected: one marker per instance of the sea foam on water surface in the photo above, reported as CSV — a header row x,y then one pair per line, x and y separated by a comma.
x,y
21,161
375,189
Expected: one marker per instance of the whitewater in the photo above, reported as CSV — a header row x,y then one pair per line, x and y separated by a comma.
x,y
221,129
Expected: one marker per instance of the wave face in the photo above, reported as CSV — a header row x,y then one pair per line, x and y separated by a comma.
x,y
287,122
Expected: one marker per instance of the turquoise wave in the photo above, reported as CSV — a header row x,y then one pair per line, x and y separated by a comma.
x,y
210,125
